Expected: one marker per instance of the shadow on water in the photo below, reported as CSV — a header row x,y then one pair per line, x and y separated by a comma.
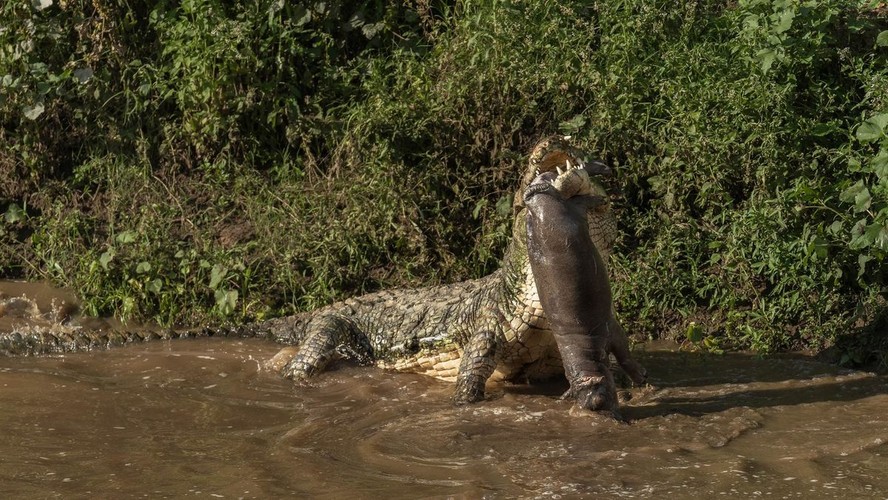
x,y
697,384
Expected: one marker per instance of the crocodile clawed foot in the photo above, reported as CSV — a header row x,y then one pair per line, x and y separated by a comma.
x,y
297,370
280,360
460,400
469,389
291,366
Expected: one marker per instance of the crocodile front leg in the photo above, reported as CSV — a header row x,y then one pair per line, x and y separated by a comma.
x,y
326,338
476,366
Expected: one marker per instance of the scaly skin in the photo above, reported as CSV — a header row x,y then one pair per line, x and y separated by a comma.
x,y
465,332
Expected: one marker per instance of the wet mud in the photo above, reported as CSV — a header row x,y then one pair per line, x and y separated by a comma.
x,y
206,418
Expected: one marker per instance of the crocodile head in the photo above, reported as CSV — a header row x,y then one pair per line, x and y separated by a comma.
x,y
555,154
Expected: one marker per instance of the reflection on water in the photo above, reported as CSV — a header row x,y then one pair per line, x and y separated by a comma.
x,y
204,418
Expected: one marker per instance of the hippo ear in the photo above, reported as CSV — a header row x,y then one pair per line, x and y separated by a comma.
x,y
598,167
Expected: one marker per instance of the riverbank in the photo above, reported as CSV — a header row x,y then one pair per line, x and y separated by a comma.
x,y
207,162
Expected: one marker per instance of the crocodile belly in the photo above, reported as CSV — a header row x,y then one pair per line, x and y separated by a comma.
x,y
528,350
442,364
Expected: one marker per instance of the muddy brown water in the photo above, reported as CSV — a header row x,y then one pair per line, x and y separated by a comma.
x,y
205,418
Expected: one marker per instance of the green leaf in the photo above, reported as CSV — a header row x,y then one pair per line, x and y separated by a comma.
x,y
143,267
371,30
658,184
302,15
879,165
864,235
106,258
862,259
573,125
882,39
858,236
694,332
862,201
849,194
766,58
83,74
879,234
873,129
226,301
504,206
479,206
39,68
34,111
14,214
217,275
784,21
859,195
823,129
126,237
818,247
835,227
155,286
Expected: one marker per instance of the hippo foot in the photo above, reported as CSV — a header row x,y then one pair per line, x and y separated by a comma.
x,y
595,392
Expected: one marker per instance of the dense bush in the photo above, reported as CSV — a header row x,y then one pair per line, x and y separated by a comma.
x,y
197,160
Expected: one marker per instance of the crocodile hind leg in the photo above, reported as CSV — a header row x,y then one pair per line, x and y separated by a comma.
x,y
476,366
327,338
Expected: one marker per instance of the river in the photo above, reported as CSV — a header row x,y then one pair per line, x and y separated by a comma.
x,y
205,418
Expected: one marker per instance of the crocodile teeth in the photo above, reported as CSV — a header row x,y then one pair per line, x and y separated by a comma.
x,y
558,169
568,165
537,173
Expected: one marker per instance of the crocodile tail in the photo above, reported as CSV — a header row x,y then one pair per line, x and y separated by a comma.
x,y
284,330
35,341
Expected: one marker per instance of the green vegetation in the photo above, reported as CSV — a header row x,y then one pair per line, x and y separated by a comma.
x,y
205,160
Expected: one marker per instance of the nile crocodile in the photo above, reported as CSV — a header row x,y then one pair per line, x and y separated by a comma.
x,y
467,332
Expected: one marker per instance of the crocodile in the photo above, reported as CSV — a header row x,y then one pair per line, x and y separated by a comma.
x,y
490,328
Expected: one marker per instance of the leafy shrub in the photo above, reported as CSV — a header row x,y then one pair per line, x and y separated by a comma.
x,y
203,159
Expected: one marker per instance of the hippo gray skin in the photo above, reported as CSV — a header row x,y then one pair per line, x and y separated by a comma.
x,y
573,286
